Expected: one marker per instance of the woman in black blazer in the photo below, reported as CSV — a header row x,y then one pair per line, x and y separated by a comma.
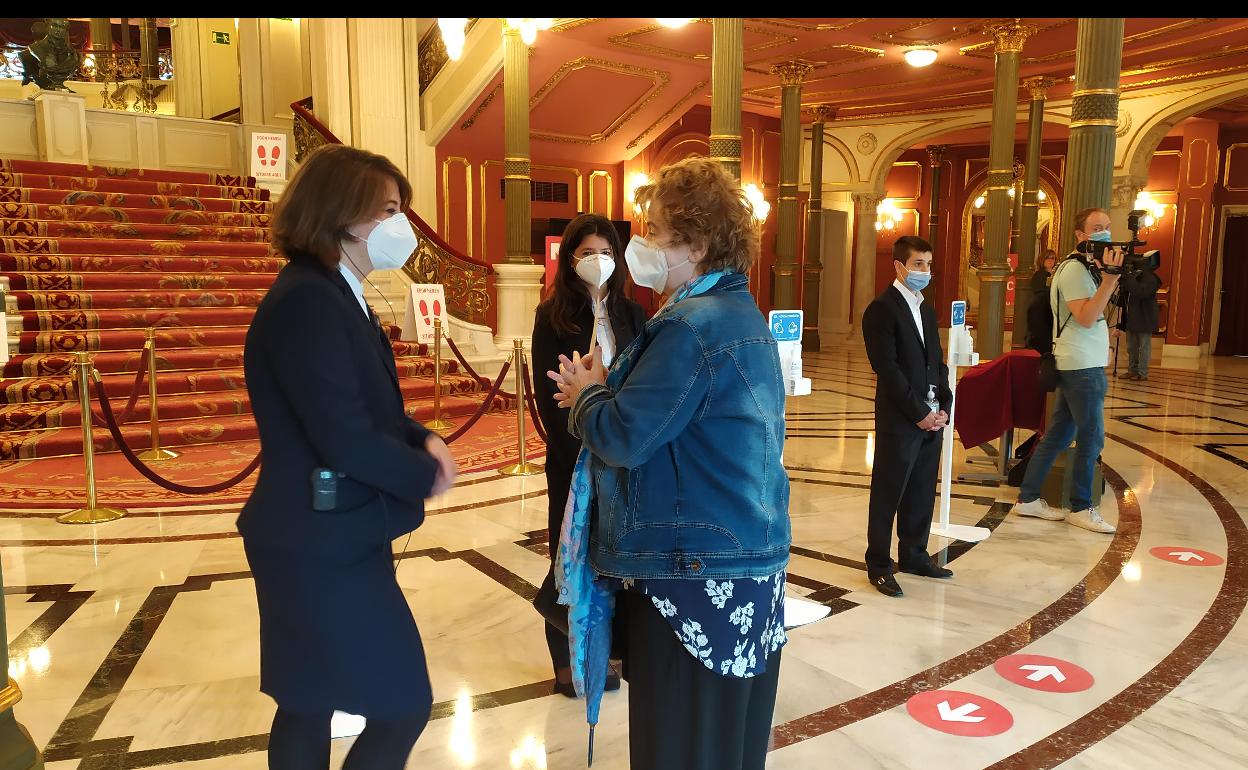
x,y
586,300
336,632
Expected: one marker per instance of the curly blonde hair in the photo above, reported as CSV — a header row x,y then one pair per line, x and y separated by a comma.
x,y
704,206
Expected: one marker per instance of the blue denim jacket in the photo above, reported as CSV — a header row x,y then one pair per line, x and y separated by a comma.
x,y
686,455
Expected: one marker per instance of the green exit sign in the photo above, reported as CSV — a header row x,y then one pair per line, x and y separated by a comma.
x,y
221,38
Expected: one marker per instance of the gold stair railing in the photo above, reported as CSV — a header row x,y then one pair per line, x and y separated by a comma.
x,y
465,279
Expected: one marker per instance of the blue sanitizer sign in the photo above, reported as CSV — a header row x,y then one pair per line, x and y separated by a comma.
x,y
786,325
959,313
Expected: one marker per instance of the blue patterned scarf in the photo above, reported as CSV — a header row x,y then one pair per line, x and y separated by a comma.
x,y
589,597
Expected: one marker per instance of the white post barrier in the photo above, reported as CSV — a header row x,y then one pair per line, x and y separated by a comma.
x,y
961,353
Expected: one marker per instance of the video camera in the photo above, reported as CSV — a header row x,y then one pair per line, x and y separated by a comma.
x,y
1132,262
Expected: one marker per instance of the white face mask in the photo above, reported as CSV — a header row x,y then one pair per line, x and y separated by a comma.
x,y
595,269
648,264
390,243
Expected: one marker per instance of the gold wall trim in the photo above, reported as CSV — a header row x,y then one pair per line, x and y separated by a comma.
x,y
1191,157
658,82
446,199
1226,176
580,194
597,174
680,103
919,186
1082,123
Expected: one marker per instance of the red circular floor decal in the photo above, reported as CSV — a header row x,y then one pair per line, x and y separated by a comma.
x,y
1040,672
1189,557
960,713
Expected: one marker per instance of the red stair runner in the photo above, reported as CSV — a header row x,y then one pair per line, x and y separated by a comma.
x,y
96,255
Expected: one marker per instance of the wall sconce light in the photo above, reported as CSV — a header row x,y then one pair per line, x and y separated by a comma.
x,y
1157,210
887,215
674,23
760,205
979,202
635,180
1042,195
453,36
920,57
528,28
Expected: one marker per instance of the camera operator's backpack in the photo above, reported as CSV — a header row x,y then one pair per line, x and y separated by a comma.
x,y
1040,323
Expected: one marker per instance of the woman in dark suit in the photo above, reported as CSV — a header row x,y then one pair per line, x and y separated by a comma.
x,y
336,632
586,299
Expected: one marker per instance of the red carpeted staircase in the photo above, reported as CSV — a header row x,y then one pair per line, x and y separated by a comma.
x,y
96,255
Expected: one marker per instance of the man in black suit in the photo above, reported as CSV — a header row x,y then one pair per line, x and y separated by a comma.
x,y
912,400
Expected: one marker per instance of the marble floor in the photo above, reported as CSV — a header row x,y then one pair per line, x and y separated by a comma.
x,y
135,642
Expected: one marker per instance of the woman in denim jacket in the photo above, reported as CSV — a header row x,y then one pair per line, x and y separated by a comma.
x,y
690,500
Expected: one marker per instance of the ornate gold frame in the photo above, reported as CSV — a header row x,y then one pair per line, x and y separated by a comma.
x,y
598,174
446,199
659,81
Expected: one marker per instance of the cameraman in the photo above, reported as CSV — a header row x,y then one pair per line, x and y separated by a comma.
x,y
1137,296
1081,290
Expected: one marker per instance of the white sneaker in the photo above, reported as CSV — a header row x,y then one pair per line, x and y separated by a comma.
x,y
1039,509
1091,520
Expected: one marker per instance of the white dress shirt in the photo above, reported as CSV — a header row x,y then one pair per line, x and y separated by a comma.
x,y
605,336
914,299
357,288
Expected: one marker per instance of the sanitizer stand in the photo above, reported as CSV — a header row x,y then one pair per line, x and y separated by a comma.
x,y
961,353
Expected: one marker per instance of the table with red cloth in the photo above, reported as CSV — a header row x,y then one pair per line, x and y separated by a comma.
x,y
999,395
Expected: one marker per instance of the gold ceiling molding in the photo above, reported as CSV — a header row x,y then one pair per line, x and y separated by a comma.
x,y
1180,78
563,25
1146,69
959,73
972,28
680,103
625,40
809,26
810,57
658,82
1175,27
467,124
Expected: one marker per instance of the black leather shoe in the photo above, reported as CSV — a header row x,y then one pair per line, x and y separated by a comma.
x,y
613,682
931,570
887,585
566,689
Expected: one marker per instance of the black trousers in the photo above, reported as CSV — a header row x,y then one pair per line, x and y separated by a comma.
x,y
683,716
903,486
558,478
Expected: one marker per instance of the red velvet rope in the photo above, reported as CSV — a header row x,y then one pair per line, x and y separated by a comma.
x,y
468,367
531,398
152,476
485,405
128,412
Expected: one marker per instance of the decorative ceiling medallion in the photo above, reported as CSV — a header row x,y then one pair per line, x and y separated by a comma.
x,y
1124,123
866,144
658,82
625,40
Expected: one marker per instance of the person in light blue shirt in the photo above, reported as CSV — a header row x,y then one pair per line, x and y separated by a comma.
x,y
1081,290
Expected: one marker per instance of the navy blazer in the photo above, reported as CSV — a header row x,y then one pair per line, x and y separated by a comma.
x,y
905,364
325,394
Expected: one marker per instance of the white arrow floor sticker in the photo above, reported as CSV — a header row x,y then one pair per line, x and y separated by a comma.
x,y
1040,673
1187,556
960,714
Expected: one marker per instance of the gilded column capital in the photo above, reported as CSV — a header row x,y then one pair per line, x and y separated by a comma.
x,y
1009,36
1125,189
867,202
936,154
792,73
1039,87
822,113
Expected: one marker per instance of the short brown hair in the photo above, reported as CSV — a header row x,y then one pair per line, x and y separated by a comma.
x,y
704,206
1081,219
335,186
909,244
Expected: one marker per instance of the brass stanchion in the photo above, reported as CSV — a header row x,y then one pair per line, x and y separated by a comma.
x,y
155,454
437,423
523,467
93,513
